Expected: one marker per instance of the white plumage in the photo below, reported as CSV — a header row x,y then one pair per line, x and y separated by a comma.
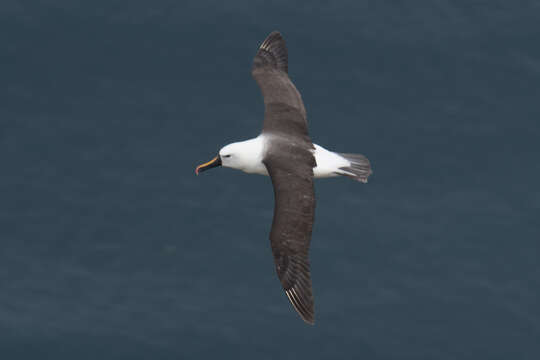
x,y
248,156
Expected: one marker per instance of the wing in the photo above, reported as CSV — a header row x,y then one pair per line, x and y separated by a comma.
x,y
270,68
290,166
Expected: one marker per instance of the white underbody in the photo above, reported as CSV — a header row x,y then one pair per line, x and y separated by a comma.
x,y
248,155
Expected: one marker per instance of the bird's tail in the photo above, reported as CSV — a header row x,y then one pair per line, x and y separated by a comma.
x,y
359,169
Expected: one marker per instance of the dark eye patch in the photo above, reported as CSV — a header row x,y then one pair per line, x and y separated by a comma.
x,y
226,156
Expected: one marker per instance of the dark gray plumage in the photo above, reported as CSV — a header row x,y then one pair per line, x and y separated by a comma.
x,y
290,162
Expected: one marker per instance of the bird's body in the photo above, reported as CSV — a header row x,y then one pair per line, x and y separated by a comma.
x,y
249,155
284,152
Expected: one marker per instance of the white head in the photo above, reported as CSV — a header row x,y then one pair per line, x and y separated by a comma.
x,y
235,155
245,155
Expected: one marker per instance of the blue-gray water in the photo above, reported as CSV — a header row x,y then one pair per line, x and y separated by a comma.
x,y
111,248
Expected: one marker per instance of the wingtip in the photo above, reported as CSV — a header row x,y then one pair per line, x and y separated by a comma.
x,y
309,321
303,308
274,35
272,52
272,38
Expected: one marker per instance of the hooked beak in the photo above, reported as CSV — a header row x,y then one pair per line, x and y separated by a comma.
x,y
208,165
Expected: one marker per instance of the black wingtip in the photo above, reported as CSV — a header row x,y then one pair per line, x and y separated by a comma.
x,y
273,53
274,36
296,281
303,306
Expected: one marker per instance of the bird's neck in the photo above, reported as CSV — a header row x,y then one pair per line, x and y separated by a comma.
x,y
252,154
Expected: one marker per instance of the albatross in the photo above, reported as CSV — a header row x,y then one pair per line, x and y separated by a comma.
x,y
284,151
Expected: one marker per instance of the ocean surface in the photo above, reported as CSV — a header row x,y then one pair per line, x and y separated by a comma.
x,y
112,248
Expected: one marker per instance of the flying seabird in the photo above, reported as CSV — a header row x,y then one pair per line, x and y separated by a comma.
x,y
284,151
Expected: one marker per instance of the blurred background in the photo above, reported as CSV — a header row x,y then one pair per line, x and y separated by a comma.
x,y
112,248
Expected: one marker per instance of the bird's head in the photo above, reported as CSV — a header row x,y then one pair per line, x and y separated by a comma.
x,y
229,156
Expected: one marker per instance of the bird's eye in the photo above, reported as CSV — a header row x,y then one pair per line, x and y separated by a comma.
x,y
226,155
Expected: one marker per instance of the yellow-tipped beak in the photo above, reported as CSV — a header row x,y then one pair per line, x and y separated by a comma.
x,y
208,165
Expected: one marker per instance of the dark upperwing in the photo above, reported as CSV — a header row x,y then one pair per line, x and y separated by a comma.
x,y
290,163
